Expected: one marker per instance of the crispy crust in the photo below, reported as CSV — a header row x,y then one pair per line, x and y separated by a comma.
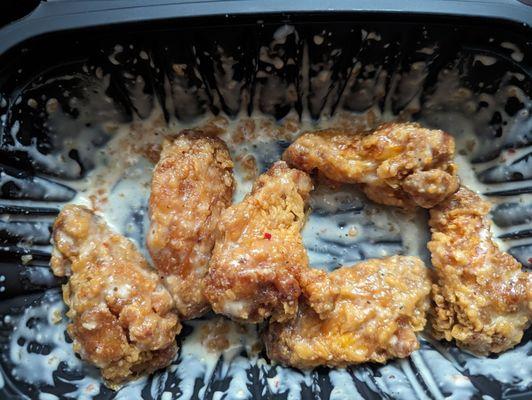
x,y
377,308
482,299
259,252
122,317
399,164
192,184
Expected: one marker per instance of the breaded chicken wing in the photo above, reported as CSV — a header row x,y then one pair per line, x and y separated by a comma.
x,y
192,184
259,250
482,299
399,164
380,304
122,317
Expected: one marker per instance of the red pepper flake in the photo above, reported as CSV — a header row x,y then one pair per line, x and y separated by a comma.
x,y
267,236
511,151
530,260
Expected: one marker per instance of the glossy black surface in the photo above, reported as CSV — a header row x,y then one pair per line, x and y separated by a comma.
x,y
53,65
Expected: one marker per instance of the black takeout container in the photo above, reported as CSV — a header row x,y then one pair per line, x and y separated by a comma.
x,y
386,54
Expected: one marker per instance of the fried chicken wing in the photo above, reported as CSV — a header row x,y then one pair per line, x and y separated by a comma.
x,y
379,305
399,164
122,317
192,184
482,299
259,250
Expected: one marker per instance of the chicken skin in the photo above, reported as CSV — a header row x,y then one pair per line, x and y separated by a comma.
x,y
398,164
122,317
482,299
380,304
259,252
192,184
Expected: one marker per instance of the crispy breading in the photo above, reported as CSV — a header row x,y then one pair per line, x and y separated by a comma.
x,y
379,305
259,251
399,164
482,299
192,184
122,317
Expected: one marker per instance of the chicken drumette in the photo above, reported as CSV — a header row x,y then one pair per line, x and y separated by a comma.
x,y
482,299
122,317
378,306
399,164
192,184
259,252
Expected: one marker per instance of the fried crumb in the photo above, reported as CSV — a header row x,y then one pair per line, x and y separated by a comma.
x,y
179,69
152,152
268,128
289,126
94,202
244,131
52,105
110,127
248,164
57,317
214,335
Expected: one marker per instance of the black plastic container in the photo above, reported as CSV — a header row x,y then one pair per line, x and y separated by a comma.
x,y
371,51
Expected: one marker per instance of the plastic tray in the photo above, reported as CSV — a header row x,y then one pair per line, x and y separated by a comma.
x,y
382,45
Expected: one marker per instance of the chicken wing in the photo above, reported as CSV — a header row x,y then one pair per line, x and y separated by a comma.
x,y
482,299
122,317
259,250
379,306
399,164
192,184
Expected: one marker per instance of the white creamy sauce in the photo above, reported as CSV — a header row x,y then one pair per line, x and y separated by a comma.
x,y
517,55
343,386
513,367
444,376
41,276
342,229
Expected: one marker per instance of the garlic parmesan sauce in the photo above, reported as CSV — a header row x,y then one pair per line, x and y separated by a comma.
x,y
343,228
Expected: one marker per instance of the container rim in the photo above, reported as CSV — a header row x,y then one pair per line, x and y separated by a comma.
x,y
58,16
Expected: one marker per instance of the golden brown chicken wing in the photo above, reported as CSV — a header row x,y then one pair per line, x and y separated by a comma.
x,y
259,251
379,306
192,184
123,319
399,164
482,299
